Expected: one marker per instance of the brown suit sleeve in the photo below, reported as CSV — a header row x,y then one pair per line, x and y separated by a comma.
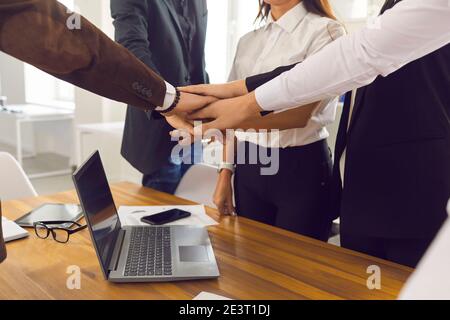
x,y
36,32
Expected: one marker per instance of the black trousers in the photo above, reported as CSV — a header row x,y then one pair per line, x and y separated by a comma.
x,y
296,198
407,252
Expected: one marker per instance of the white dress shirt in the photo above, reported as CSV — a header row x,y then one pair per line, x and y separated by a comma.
x,y
168,99
409,31
291,39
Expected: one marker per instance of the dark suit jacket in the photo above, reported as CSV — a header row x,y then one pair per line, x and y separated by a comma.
x,y
397,177
150,29
35,32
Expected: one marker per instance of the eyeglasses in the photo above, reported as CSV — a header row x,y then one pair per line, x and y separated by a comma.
x,y
60,234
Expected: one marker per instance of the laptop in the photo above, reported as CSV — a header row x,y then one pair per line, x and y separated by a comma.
x,y
139,253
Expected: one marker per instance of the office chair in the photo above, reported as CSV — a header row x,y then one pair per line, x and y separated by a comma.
x,y
198,184
2,241
14,183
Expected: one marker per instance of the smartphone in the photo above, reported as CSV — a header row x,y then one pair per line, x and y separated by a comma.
x,y
166,217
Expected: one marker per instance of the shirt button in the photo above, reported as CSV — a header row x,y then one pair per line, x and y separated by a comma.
x,y
136,86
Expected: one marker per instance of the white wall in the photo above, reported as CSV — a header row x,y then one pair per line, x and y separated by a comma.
x,y
12,79
90,108
13,86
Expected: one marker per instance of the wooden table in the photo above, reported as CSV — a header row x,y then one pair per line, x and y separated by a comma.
x,y
256,261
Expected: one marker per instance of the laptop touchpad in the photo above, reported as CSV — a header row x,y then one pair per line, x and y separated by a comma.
x,y
193,254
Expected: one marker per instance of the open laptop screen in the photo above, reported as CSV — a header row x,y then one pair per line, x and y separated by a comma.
x,y
99,208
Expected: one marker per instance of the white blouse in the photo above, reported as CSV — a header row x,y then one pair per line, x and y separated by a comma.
x,y
291,39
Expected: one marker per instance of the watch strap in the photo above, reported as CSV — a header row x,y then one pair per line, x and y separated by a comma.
x,y
174,104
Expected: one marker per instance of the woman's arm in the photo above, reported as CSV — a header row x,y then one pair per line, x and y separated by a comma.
x,y
221,91
236,88
223,195
290,119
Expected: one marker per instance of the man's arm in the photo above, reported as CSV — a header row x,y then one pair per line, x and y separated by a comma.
x,y
409,31
35,32
236,88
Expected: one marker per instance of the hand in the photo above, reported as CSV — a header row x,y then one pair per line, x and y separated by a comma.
x,y
191,102
184,127
228,113
220,91
223,196
180,122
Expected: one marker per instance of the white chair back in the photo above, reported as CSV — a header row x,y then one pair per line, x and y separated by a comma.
x,y
14,183
198,184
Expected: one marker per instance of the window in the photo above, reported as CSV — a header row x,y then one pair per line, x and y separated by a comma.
x,y
228,21
41,88
356,10
350,10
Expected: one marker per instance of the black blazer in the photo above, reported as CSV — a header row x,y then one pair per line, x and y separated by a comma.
x,y
397,177
150,30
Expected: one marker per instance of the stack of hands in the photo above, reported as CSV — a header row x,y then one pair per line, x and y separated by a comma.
x,y
218,106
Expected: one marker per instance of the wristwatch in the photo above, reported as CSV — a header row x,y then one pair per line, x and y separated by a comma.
x,y
174,104
226,166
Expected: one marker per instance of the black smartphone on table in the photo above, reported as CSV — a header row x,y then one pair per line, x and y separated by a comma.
x,y
166,217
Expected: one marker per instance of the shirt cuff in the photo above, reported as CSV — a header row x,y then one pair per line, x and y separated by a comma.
x,y
168,99
269,97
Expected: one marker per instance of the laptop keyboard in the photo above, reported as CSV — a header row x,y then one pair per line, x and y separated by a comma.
x,y
149,252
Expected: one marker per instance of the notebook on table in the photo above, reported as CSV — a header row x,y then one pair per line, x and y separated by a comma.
x,y
12,231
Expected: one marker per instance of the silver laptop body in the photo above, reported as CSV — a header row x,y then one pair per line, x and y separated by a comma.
x,y
140,253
